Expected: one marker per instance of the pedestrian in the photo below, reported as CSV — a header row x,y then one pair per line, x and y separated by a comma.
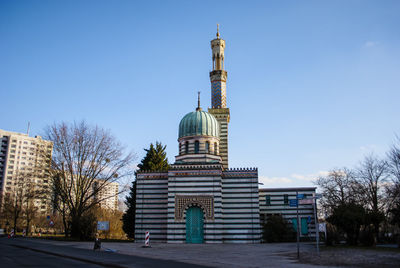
x,y
97,242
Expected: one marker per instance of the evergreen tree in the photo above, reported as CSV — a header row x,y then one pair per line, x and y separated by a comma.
x,y
155,160
128,219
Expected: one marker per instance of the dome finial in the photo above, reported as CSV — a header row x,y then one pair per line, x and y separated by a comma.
x,y
217,31
198,101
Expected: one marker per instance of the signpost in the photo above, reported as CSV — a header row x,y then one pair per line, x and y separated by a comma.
x,y
103,225
298,225
307,201
293,203
316,222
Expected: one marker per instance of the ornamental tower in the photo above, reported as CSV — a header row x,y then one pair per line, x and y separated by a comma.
x,y
218,78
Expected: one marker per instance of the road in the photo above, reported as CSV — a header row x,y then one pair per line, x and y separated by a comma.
x,y
12,256
20,252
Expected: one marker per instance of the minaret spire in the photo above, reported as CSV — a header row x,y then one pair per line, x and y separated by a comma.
x,y
219,107
198,101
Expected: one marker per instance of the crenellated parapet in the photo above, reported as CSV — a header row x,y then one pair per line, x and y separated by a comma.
x,y
152,174
241,172
198,167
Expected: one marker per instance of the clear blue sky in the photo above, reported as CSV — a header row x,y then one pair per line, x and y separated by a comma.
x,y
312,85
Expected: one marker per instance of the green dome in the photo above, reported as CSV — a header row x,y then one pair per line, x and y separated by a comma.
x,y
198,123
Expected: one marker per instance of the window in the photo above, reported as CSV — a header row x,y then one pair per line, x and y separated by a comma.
x,y
268,200
285,199
196,147
207,147
215,148
186,147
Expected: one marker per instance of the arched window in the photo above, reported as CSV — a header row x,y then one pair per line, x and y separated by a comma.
x,y
186,147
215,148
196,147
207,147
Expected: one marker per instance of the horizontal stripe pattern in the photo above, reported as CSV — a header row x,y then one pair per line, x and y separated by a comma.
x,y
236,215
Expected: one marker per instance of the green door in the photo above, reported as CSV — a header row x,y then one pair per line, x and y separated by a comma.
x,y
194,225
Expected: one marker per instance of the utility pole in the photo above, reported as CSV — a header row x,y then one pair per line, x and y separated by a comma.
x,y
316,222
298,225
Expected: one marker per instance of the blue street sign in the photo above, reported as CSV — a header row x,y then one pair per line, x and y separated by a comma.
x,y
293,202
103,225
300,196
309,219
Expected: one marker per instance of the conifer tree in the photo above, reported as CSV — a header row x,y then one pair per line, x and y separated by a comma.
x,y
154,160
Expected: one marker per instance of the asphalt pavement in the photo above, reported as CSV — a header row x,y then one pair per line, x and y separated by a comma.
x,y
20,252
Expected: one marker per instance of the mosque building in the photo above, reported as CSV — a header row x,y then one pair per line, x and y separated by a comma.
x,y
200,199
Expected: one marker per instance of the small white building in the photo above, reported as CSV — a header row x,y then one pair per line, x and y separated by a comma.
x,y
276,201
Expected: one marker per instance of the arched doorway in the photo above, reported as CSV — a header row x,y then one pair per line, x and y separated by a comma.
x,y
194,225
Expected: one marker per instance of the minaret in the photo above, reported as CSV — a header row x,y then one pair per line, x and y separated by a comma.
x,y
218,95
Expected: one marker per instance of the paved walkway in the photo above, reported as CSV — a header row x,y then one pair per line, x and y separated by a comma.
x,y
212,255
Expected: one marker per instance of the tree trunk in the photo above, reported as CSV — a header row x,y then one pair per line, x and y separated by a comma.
x,y
75,227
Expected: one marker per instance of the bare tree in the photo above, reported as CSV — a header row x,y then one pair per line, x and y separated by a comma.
x,y
372,174
12,206
393,189
337,188
86,159
394,170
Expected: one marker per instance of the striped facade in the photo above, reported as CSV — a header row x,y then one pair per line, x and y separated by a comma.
x,y
151,206
275,201
223,116
229,199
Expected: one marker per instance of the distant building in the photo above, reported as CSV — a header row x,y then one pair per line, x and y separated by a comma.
x,y
276,201
25,161
108,196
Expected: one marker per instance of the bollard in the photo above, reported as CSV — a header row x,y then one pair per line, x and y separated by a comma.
x,y
147,240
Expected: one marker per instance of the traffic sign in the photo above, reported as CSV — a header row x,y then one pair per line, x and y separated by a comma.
x,y
306,201
293,202
300,196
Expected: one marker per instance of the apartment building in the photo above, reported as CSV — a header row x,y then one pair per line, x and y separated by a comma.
x,y
108,196
24,163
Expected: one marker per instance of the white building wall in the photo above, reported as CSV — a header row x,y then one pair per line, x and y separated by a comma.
x,y
240,201
151,206
278,206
